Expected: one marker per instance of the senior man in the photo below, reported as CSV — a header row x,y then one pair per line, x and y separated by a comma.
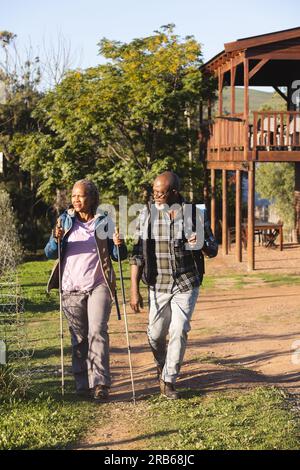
x,y
168,260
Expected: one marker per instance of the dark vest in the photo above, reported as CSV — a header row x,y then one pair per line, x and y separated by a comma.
x,y
149,274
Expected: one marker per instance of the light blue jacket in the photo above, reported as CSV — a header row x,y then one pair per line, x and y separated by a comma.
x,y
107,250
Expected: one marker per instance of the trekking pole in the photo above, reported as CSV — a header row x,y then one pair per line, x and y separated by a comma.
x,y
117,305
126,324
60,316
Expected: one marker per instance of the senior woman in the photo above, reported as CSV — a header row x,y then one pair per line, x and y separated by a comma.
x,y
88,242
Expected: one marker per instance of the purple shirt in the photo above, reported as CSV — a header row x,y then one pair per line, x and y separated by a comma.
x,y
81,269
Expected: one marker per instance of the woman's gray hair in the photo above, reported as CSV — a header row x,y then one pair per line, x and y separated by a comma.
x,y
92,191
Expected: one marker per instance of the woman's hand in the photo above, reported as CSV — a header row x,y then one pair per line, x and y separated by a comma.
x,y
58,232
116,239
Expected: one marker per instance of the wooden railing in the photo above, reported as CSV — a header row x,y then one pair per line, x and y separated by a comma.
x,y
274,130
271,130
227,134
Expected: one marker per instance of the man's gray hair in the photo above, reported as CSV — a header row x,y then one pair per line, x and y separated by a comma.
x,y
92,191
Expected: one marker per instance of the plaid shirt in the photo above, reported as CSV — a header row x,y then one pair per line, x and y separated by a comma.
x,y
175,264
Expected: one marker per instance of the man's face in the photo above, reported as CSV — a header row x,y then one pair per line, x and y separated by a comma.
x,y
161,192
81,199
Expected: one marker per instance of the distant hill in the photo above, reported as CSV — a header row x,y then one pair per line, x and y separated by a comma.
x,y
257,99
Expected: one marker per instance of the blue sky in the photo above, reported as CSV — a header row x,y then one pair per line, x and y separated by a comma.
x,y
85,22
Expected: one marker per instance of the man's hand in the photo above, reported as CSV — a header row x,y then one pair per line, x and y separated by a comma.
x,y
116,238
136,301
192,240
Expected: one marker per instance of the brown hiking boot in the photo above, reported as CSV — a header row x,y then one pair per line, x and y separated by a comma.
x,y
101,393
168,390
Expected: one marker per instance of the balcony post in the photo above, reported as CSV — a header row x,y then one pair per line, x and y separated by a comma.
x,y
232,85
232,92
238,226
250,236
224,214
220,91
246,106
213,201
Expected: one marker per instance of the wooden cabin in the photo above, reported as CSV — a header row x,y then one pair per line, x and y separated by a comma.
x,y
236,141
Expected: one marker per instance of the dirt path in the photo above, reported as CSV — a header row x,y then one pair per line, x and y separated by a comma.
x,y
238,339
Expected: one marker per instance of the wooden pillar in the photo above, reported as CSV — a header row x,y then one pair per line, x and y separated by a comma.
x,y
232,85
290,105
213,201
250,236
238,216
246,106
202,138
232,104
224,214
220,91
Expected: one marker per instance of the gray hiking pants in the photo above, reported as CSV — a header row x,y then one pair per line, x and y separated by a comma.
x,y
170,314
88,314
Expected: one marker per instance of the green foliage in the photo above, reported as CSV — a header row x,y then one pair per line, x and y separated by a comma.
x,y
42,420
40,423
276,182
12,383
20,98
225,422
123,122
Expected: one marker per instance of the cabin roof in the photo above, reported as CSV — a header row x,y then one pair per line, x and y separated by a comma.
x,y
269,38
276,46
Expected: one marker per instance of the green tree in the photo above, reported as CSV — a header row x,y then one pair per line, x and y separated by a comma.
x,y
20,95
123,122
22,76
275,181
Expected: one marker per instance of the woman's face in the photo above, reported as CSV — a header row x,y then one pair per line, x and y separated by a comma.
x,y
81,200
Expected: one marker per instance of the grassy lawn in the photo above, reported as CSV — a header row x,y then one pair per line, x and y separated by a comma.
x,y
44,419
256,419
239,281
217,421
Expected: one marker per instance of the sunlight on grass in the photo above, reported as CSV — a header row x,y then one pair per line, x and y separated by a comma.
x,y
256,419
217,421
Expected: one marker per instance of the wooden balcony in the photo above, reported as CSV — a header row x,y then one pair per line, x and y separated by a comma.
x,y
236,142
267,136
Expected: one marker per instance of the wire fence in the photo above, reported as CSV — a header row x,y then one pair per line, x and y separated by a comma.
x,y
14,353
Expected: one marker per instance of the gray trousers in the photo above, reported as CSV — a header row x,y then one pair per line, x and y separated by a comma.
x,y
88,314
170,314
